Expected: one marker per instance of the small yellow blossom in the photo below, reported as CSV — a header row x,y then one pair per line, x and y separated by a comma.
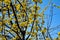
x,y
4,9
24,5
58,33
36,7
36,28
47,38
0,29
37,21
2,37
23,24
0,23
0,0
17,6
41,14
7,2
30,20
44,30
14,25
33,33
6,21
14,39
4,12
9,7
35,0
23,14
30,39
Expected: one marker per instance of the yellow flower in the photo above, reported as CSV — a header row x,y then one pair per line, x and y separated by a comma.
x,y
44,30
36,28
28,33
0,29
30,39
19,16
9,7
14,39
36,7
37,21
55,38
4,38
24,5
0,1
6,21
47,38
7,2
0,23
14,25
4,9
30,20
31,15
23,24
58,33
17,6
23,14
35,0
33,33
43,21
41,14
58,38
12,14
4,12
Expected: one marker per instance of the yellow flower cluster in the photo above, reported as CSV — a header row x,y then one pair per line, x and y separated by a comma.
x,y
23,14
44,30
24,7
9,7
2,38
6,21
33,15
4,10
0,23
23,24
33,33
58,33
35,0
37,21
7,2
0,1
14,25
36,7
0,29
30,20
40,1
36,28
47,38
30,39
17,6
13,38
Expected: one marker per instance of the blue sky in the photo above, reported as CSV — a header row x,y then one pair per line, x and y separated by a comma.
x,y
56,11
56,14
